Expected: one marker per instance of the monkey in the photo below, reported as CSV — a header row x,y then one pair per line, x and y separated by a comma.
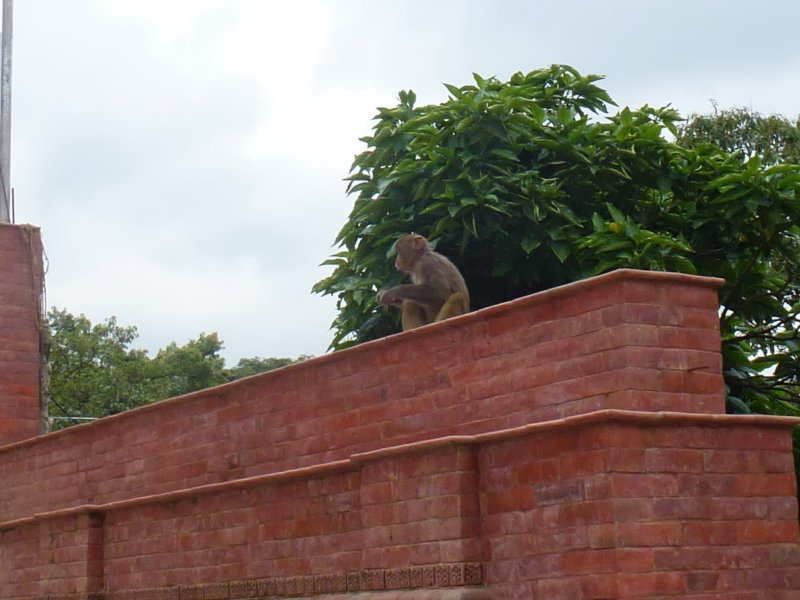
x,y
437,290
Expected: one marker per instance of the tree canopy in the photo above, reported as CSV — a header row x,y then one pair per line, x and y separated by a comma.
x,y
96,372
772,138
526,184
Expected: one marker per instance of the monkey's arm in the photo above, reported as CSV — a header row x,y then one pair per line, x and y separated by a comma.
x,y
420,293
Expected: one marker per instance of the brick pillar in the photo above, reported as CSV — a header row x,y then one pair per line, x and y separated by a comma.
x,y
21,280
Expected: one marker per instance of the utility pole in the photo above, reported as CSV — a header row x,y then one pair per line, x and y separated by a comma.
x,y
5,112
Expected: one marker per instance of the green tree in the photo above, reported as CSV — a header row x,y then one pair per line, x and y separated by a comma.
x,y
94,371
526,186
253,366
772,138
762,354
194,366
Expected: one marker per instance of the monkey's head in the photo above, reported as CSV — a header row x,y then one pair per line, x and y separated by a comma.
x,y
409,249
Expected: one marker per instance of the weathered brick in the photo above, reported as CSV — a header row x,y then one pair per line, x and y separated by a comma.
x,y
674,460
590,561
635,485
633,585
657,533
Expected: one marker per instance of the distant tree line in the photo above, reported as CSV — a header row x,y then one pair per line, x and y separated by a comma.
x,y
96,371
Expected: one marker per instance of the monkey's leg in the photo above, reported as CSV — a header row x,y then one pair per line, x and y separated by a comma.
x,y
413,315
455,305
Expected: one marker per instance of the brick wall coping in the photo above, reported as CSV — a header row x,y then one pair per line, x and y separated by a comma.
x,y
569,289
644,419
19,226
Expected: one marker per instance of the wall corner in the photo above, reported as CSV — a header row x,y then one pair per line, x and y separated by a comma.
x,y
23,361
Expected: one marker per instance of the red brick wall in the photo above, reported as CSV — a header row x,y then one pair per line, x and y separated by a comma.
x,y
615,504
356,520
629,339
55,556
20,290
483,457
677,507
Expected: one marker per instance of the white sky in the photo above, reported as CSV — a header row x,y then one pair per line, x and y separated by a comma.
x,y
185,158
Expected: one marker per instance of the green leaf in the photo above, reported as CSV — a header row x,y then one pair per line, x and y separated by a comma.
x,y
503,153
683,265
562,251
501,269
615,213
456,92
529,244
737,405
664,184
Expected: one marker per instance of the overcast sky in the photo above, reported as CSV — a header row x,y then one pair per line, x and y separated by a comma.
x,y
185,158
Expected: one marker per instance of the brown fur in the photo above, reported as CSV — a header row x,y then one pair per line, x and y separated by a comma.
x,y
437,290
